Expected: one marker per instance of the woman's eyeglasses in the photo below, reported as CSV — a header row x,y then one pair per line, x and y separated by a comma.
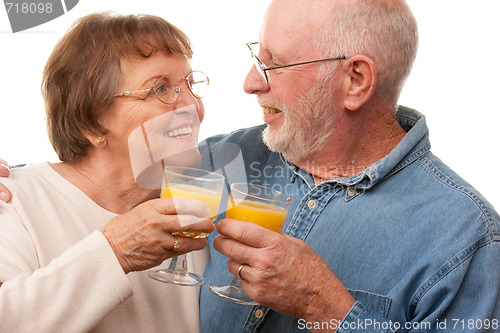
x,y
168,88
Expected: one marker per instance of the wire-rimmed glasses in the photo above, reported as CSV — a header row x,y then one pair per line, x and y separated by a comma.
x,y
168,88
262,68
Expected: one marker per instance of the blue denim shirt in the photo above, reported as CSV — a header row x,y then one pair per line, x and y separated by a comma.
x,y
416,245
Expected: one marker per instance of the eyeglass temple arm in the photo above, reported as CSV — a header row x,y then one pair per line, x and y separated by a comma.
x,y
249,45
130,93
306,62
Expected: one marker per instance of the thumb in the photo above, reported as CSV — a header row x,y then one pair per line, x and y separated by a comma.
x,y
5,194
4,168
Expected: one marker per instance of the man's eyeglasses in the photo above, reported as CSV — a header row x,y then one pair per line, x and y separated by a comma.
x,y
168,88
262,68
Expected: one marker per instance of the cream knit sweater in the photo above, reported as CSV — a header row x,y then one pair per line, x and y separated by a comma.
x,y
59,273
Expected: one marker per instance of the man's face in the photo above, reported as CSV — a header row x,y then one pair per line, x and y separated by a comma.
x,y
308,123
298,102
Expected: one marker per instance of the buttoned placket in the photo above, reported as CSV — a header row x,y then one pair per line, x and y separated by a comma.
x,y
310,209
302,221
255,317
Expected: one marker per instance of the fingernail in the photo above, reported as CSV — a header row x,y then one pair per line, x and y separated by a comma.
x,y
3,196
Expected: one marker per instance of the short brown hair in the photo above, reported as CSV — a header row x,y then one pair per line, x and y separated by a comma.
x,y
82,73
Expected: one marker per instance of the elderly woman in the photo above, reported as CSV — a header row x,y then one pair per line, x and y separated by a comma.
x,y
68,261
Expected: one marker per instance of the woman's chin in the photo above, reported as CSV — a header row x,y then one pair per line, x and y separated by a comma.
x,y
187,158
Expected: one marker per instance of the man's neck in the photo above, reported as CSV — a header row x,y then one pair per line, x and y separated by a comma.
x,y
352,149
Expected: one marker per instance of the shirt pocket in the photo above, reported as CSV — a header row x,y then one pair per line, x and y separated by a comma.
x,y
379,303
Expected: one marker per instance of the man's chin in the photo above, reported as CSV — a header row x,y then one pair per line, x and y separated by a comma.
x,y
277,142
271,140
293,150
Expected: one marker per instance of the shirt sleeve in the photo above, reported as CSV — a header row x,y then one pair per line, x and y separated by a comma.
x,y
463,297
71,294
361,318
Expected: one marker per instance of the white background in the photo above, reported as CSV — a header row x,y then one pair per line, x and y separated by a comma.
x,y
455,80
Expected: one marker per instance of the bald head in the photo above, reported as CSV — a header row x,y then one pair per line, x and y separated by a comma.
x,y
384,30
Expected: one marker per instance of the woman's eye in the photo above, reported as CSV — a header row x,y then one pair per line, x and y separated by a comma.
x,y
161,89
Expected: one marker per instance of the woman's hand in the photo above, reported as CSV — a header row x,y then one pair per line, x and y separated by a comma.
x,y
142,238
5,194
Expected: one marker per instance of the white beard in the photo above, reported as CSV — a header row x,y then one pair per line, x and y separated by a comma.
x,y
307,126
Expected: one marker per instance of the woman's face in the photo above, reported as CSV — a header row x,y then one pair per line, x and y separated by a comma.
x,y
146,132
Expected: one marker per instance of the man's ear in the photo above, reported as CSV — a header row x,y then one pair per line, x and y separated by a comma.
x,y
361,81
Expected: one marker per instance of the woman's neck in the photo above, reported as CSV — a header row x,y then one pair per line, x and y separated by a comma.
x,y
110,185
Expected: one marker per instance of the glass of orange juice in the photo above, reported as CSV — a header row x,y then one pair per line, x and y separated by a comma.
x,y
195,184
260,205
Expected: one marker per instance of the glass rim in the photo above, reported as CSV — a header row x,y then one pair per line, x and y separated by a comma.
x,y
288,198
218,177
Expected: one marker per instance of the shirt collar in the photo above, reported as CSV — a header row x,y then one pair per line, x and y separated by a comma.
x,y
414,144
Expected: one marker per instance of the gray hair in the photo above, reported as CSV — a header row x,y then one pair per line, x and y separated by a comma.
x,y
383,30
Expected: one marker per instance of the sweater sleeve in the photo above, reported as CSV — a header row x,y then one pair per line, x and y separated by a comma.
x,y
71,294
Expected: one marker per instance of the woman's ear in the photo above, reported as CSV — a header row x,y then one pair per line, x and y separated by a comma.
x,y
361,81
95,139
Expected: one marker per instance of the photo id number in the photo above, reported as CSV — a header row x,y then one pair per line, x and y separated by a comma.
x,y
29,8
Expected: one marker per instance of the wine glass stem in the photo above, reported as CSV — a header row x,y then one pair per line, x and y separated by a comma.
x,y
178,264
173,263
236,282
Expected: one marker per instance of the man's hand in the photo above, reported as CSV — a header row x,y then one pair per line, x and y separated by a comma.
x,y
5,194
142,238
282,272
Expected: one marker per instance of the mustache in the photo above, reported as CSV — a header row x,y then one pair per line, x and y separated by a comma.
x,y
267,102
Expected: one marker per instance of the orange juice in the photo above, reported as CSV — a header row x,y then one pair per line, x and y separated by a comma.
x,y
209,197
264,214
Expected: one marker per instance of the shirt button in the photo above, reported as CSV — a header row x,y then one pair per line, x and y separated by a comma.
x,y
351,192
312,204
259,314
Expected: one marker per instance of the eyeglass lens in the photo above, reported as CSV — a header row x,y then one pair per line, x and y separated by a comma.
x,y
257,62
198,84
167,89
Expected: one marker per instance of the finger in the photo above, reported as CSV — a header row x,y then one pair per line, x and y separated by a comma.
x,y
4,168
235,250
250,234
182,245
5,194
170,242
175,223
194,223
180,206
244,272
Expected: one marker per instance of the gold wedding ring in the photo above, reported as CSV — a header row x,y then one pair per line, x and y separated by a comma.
x,y
176,245
239,271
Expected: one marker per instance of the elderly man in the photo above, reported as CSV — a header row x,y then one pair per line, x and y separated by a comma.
x,y
380,234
